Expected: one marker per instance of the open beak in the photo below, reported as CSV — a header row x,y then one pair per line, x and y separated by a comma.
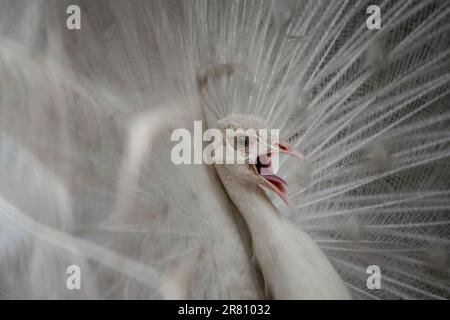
x,y
263,168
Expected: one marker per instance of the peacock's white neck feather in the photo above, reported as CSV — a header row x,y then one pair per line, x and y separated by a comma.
x,y
293,266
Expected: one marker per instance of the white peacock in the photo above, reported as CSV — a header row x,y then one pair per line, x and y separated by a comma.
x,y
85,171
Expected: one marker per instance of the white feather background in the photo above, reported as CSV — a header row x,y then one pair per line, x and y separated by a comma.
x,y
85,123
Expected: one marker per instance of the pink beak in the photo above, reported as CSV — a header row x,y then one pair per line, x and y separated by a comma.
x,y
286,148
268,179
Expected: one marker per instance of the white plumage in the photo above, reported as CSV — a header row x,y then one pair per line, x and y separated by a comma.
x,y
85,170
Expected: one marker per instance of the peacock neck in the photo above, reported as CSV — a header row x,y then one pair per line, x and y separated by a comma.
x,y
293,266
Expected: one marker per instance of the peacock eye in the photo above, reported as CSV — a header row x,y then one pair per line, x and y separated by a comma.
x,y
242,141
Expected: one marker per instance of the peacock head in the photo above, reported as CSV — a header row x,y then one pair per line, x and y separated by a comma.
x,y
251,152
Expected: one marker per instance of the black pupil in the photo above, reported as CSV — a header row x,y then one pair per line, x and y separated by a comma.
x,y
243,141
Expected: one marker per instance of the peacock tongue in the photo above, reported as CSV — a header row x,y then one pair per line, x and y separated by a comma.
x,y
277,184
276,180
263,168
